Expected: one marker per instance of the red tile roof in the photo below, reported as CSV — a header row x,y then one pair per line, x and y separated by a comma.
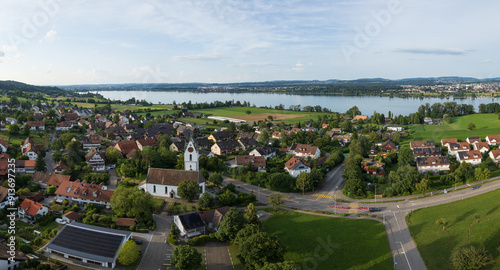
x,y
84,190
30,207
126,147
127,222
72,215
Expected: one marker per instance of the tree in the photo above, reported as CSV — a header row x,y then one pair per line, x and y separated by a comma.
x,y
276,200
231,224
279,266
251,214
259,249
26,130
129,253
50,190
248,112
40,164
206,201
263,137
131,201
116,118
466,258
113,155
188,190
423,186
216,178
14,129
471,126
405,156
303,181
442,222
246,232
226,198
186,258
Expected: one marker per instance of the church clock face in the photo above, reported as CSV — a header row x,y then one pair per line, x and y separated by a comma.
x,y
190,149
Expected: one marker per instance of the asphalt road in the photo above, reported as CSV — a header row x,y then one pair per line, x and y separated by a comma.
x,y
403,248
217,256
158,253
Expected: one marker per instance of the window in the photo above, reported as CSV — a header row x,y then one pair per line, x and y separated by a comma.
x,y
166,190
190,157
154,189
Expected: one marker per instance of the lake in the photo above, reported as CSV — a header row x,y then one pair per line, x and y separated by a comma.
x,y
366,104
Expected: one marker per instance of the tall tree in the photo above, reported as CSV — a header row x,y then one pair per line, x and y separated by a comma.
x,y
129,253
188,190
231,224
40,164
276,200
260,248
131,201
251,214
186,258
206,201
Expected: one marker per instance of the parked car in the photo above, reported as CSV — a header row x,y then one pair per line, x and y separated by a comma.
x,y
375,209
475,187
60,221
137,241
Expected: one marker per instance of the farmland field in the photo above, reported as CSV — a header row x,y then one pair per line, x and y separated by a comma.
x,y
259,114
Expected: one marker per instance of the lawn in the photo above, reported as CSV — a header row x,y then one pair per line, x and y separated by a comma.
x,y
351,244
486,124
20,138
241,111
233,252
475,223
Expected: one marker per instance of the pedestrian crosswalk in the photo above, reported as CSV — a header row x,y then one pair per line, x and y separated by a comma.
x,y
325,196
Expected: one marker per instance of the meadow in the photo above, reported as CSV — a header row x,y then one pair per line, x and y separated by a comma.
x,y
472,221
486,124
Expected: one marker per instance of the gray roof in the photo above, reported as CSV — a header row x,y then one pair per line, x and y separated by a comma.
x,y
90,242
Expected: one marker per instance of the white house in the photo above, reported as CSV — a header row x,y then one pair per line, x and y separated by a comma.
x,y
433,164
295,166
83,192
164,182
63,126
495,156
395,129
305,150
3,145
96,160
190,225
493,139
5,197
473,157
266,151
36,125
483,147
454,148
8,260
30,209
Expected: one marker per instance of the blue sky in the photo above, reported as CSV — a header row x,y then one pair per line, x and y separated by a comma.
x,y
61,42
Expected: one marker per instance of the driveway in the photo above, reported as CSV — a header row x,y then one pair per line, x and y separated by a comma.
x,y
113,179
49,161
217,256
158,254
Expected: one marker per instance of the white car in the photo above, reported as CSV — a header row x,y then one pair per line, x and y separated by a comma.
x,y
60,221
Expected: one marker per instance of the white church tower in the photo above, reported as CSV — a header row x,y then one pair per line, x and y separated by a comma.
x,y
191,156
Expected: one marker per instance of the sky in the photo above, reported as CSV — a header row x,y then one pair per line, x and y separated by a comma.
x,y
62,42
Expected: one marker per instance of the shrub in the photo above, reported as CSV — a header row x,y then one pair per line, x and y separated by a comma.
x,y
469,258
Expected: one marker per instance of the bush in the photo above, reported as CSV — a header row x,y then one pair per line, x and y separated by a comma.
x,y
465,258
198,240
172,239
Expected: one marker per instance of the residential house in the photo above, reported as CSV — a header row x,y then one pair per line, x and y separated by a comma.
x,y
73,117
7,199
95,159
428,120
372,167
396,129
70,217
202,142
213,217
36,125
177,146
30,149
10,259
49,179
141,143
445,142
226,147
89,141
4,166
83,192
483,147
3,146
64,126
125,147
60,166
454,148
30,209
493,139
243,134
125,222
389,146
361,117
130,128
495,156
258,163
343,139
190,225
427,152
305,150
266,151
25,166
421,144
247,142
473,157
433,164
295,166
473,140
221,136
276,135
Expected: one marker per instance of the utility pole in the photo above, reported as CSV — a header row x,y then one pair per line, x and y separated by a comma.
x,y
375,193
335,201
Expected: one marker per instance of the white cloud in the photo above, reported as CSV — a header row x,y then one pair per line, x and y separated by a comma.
x,y
50,34
298,67
199,57
9,48
2,54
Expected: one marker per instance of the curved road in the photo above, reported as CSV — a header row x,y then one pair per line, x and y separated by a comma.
x,y
403,249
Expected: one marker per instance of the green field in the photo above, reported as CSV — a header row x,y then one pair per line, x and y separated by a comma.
x,y
486,124
436,245
354,244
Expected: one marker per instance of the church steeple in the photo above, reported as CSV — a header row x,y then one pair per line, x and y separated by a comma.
x,y
191,156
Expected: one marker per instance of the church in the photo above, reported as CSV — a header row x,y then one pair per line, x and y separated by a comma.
x,y
164,182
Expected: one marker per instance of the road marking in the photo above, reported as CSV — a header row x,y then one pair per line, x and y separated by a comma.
x,y
322,196
405,254
397,222
397,205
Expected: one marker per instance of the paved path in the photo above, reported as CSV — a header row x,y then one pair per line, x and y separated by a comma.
x,y
113,179
403,248
156,255
217,256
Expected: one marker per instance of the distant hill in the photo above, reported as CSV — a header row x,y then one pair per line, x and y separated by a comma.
x,y
14,86
271,84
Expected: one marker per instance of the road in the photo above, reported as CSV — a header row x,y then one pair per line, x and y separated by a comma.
x,y
403,248
113,179
217,256
158,254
